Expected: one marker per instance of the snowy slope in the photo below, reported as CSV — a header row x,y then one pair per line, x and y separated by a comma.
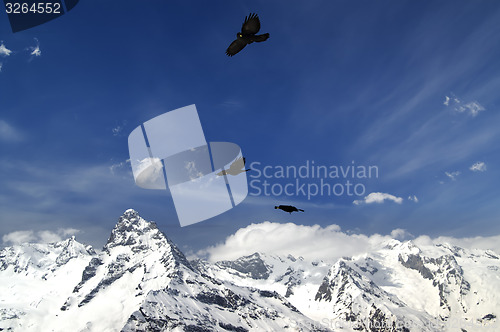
x,y
36,278
397,287
141,281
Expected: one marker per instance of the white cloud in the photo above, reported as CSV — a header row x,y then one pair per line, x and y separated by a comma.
x,y
44,236
34,50
4,51
472,108
65,232
19,237
479,166
452,175
48,237
478,242
119,165
1,64
378,197
401,234
117,130
9,133
312,242
192,170
325,243
413,198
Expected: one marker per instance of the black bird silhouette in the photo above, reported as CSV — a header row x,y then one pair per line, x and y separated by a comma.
x,y
247,35
236,168
288,208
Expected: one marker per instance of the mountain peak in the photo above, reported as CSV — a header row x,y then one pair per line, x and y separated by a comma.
x,y
71,249
131,229
140,235
130,213
252,266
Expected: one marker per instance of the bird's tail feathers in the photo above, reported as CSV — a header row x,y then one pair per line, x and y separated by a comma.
x,y
301,210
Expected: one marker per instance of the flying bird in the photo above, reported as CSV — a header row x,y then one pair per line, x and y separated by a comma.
x,y
288,208
237,167
250,27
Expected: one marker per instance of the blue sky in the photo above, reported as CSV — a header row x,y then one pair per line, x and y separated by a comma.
x,y
410,87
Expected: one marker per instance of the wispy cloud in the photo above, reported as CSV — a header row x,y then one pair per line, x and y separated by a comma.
x,y
472,108
413,198
430,141
119,165
18,237
8,133
47,188
479,166
43,236
51,195
401,234
232,104
452,175
193,172
34,50
378,197
4,51
117,130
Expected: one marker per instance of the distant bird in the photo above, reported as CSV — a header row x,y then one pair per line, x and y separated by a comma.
x,y
237,167
247,35
288,208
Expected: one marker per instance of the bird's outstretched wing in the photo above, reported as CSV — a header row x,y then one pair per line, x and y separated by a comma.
x,y
237,165
251,25
235,47
260,38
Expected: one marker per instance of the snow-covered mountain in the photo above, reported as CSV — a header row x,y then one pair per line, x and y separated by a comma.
x,y
141,281
36,278
399,287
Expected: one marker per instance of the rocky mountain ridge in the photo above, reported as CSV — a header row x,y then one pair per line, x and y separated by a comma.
x,y
141,281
